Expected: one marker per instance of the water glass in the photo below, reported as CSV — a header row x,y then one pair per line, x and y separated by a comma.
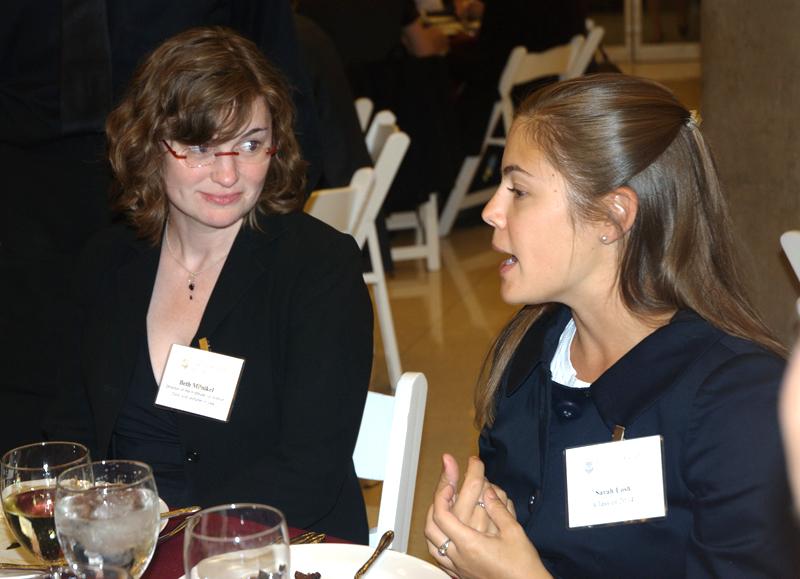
x,y
28,475
237,541
107,513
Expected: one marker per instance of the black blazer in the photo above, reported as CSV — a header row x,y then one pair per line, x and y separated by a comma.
x,y
711,396
291,301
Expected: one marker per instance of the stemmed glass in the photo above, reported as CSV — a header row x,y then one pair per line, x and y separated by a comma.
x,y
107,513
29,476
236,541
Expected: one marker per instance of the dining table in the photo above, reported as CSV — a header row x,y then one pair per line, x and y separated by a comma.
x,y
167,561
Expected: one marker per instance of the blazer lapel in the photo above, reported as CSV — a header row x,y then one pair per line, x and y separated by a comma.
x,y
246,262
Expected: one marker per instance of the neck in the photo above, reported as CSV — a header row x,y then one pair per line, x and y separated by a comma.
x,y
605,334
198,248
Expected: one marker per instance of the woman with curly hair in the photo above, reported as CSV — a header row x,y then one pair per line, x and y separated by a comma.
x,y
216,254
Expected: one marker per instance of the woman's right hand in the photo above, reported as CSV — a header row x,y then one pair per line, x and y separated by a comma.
x,y
474,533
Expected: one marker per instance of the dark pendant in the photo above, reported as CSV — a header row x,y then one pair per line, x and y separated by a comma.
x,y
191,286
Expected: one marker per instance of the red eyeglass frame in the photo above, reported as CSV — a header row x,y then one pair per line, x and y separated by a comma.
x,y
269,151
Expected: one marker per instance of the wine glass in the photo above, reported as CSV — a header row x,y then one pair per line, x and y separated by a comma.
x,y
236,541
29,476
107,514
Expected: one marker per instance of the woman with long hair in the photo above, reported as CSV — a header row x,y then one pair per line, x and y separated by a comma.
x,y
628,411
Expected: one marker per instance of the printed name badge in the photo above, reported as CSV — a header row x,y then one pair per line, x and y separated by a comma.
x,y
615,482
199,382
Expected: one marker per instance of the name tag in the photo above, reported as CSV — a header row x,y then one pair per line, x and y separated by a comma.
x,y
615,482
199,382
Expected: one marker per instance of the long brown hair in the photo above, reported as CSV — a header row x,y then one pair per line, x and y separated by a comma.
x,y
606,131
199,87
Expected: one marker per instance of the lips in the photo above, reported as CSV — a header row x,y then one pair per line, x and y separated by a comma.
x,y
508,263
222,200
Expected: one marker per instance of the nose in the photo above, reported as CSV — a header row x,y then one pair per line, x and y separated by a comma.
x,y
494,212
225,171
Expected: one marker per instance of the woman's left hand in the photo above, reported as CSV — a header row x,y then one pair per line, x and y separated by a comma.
x,y
472,549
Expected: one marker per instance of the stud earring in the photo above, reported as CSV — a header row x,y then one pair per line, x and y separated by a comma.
x,y
604,239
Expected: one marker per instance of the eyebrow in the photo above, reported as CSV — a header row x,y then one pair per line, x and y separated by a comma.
x,y
512,168
252,131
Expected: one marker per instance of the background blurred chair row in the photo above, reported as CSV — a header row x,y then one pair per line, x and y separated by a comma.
x,y
565,61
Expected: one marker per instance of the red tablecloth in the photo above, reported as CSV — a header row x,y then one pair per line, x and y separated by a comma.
x,y
167,561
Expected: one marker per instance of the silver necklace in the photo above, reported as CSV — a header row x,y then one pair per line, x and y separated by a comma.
x,y
192,274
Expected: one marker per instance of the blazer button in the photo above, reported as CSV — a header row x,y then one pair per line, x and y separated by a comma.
x,y
532,501
192,456
568,409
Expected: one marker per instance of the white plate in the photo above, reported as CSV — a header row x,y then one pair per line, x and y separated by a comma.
x,y
335,561
162,508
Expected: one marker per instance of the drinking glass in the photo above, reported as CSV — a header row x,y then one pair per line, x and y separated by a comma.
x,y
29,476
105,572
237,541
107,514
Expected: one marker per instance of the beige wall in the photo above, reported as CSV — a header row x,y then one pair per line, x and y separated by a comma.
x,y
751,112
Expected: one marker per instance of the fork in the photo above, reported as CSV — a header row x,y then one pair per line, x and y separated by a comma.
x,y
174,531
307,538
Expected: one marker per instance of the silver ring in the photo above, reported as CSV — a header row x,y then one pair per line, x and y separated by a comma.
x,y
481,504
442,550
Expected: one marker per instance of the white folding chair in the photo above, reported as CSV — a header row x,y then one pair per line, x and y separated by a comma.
x,y
588,47
364,108
387,449
342,207
353,210
424,221
390,152
522,66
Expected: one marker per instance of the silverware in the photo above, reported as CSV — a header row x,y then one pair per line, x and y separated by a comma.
x,y
383,544
309,537
174,531
180,512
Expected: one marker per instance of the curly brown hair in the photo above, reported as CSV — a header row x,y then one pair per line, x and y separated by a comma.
x,y
199,87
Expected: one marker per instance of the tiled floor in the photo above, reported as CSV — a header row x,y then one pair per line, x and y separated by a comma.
x,y
445,322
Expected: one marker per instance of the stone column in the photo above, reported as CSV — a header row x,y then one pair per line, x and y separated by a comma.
x,y
751,113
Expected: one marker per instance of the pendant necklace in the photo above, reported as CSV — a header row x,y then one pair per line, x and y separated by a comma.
x,y
192,274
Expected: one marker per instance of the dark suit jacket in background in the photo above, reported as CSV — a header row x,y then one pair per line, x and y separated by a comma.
x,y
711,396
291,301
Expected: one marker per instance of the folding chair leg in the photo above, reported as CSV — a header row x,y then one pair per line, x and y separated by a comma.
x,y
457,194
430,212
385,319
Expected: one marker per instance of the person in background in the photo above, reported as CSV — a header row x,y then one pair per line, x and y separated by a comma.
x,y
344,149
216,254
391,57
635,331
475,67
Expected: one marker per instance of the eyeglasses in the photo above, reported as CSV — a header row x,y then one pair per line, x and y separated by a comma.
x,y
251,151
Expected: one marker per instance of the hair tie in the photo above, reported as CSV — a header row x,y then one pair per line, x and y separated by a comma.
x,y
694,119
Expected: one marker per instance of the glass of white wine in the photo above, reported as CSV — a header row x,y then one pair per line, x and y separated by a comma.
x,y
107,514
29,475
237,541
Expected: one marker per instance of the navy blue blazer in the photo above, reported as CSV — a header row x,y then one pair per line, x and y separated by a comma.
x,y
711,396
291,301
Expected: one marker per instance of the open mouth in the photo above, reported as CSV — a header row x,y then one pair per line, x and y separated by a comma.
x,y
508,263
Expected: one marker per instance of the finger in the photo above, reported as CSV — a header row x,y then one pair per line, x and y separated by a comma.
x,y
501,494
471,490
450,469
498,512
